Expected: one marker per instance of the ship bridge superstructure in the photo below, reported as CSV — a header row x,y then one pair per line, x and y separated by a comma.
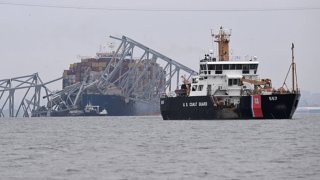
x,y
220,76
224,78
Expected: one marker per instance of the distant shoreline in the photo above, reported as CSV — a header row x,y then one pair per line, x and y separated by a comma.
x,y
308,110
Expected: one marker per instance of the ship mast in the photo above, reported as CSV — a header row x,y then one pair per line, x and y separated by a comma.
x,y
293,68
294,72
223,39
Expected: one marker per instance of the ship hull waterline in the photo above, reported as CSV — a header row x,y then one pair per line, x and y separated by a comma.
x,y
279,106
116,105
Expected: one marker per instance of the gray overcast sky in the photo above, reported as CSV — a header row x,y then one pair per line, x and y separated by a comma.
x,y
47,40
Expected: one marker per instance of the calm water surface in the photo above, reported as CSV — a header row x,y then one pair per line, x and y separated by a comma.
x,y
150,148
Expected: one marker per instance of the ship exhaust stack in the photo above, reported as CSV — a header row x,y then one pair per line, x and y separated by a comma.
x,y
223,39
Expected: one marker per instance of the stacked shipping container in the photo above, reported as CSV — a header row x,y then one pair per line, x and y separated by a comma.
x,y
94,67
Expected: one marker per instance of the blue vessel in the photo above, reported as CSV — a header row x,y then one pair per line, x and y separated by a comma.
x,y
117,105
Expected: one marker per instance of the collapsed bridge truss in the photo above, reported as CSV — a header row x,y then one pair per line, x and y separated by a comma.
x,y
135,83
21,96
139,54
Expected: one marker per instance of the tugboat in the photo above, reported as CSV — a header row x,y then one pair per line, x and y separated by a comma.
x,y
91,110
230,89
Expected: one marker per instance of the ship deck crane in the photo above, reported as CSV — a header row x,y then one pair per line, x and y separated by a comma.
x,y
259,85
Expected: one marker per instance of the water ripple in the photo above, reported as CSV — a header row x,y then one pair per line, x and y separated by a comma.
x,y
149,148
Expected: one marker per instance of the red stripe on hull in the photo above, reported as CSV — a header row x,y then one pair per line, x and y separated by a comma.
x,y
256,106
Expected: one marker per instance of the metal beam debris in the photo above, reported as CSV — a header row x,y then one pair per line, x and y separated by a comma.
x,y
30,87
136,84
135,71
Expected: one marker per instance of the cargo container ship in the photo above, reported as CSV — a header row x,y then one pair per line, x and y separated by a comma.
x,y
114,103
230,89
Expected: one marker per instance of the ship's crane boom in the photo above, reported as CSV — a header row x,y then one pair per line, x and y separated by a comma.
x,y
257,82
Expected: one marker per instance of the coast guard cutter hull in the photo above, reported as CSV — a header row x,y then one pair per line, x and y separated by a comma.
x,y
230,89
280,106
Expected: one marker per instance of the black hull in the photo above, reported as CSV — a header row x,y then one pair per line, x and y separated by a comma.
x,y
279,106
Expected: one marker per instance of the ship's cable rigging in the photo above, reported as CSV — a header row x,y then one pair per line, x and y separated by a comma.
x,y
161,10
